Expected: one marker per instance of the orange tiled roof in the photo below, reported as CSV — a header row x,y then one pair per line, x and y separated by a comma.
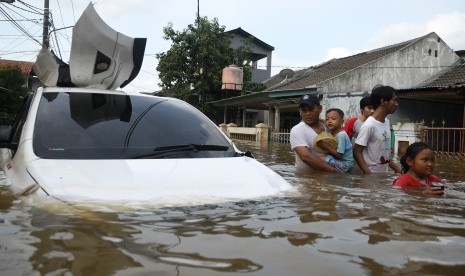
x,y
24,66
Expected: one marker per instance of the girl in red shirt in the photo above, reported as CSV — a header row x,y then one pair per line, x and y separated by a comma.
x,y
418,164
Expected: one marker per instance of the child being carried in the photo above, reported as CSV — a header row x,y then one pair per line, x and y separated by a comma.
x,y
340,156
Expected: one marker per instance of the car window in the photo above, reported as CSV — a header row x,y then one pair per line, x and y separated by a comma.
x,y
107,126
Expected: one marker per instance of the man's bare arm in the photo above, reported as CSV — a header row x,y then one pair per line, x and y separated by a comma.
x,y
322,144
313,161
358,156
394,167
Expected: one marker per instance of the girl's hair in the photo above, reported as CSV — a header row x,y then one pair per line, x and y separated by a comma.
x,y
412,151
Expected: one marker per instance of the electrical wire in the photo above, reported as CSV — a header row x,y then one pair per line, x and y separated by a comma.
x,y
62,20
34,12
17,25
57,43
20,15
72,7
33,8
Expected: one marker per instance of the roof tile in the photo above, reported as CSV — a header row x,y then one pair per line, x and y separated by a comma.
x,y
24,66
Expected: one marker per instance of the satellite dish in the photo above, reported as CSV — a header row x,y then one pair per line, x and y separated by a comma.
x,y
286,73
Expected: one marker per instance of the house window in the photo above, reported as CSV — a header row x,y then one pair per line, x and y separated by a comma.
x,y
435,53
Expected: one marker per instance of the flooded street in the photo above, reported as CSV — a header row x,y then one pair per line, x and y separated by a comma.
x,y
329,225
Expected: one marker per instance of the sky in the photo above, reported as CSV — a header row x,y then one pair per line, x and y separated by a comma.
x,y
303,32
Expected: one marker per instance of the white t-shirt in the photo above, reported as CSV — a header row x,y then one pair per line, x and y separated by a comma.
x,y
375,136
302,135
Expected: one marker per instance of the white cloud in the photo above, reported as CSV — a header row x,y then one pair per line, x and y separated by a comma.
x,y
450,27
337,52
394,34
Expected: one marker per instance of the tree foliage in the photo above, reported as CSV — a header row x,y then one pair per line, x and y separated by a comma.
x,y
192,67
12,91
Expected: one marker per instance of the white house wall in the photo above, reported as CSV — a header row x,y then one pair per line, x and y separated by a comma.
x,y
405,68
350,105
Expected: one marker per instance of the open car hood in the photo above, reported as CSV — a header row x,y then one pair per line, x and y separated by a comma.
x,y
100,57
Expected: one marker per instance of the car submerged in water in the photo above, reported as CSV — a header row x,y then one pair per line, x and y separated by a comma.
x,y
79,139
111,145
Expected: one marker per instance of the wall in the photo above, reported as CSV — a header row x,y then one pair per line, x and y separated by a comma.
x,y
350,105
403,69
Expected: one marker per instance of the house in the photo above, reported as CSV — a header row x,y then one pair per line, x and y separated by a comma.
x,y
26,69
258,51
342,82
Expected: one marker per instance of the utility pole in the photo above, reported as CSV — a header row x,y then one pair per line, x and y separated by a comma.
x,y
202,90
45,38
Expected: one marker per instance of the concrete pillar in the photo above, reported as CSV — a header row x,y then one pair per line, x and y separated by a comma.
x,y
271,117
227,128
404,135
225,115
262,132
244,113
224,128
277,118
268,64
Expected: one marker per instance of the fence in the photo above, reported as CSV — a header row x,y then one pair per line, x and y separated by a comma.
x,y
444,141
281,136
258,133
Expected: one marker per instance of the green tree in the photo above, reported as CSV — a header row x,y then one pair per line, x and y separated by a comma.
x,y
192,67
12,91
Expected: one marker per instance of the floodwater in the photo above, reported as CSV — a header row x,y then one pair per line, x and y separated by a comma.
x,y
330,225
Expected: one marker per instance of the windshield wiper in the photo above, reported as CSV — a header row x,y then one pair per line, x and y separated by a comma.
x,y
179,148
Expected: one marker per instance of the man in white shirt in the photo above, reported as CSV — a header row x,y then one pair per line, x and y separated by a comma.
x,y
372,149
303,136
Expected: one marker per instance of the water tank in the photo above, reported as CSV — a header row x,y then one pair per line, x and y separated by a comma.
x,y
232,78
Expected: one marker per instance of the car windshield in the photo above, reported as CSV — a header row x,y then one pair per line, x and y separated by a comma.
x,y
109,126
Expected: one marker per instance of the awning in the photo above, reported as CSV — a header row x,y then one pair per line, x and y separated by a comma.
x,y
262,100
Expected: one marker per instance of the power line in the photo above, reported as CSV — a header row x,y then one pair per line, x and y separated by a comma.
x,y
33,8
61,15
34,12
72,7
20,15
28,20
17,25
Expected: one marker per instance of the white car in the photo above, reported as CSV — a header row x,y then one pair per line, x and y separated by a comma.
x,y
77,143
84,140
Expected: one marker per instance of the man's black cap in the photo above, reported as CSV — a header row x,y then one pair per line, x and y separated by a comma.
x,y
310,100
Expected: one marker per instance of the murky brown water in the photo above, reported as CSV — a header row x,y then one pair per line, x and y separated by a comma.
x,y
334,225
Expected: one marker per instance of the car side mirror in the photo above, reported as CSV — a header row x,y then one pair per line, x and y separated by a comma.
x,y
5,138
